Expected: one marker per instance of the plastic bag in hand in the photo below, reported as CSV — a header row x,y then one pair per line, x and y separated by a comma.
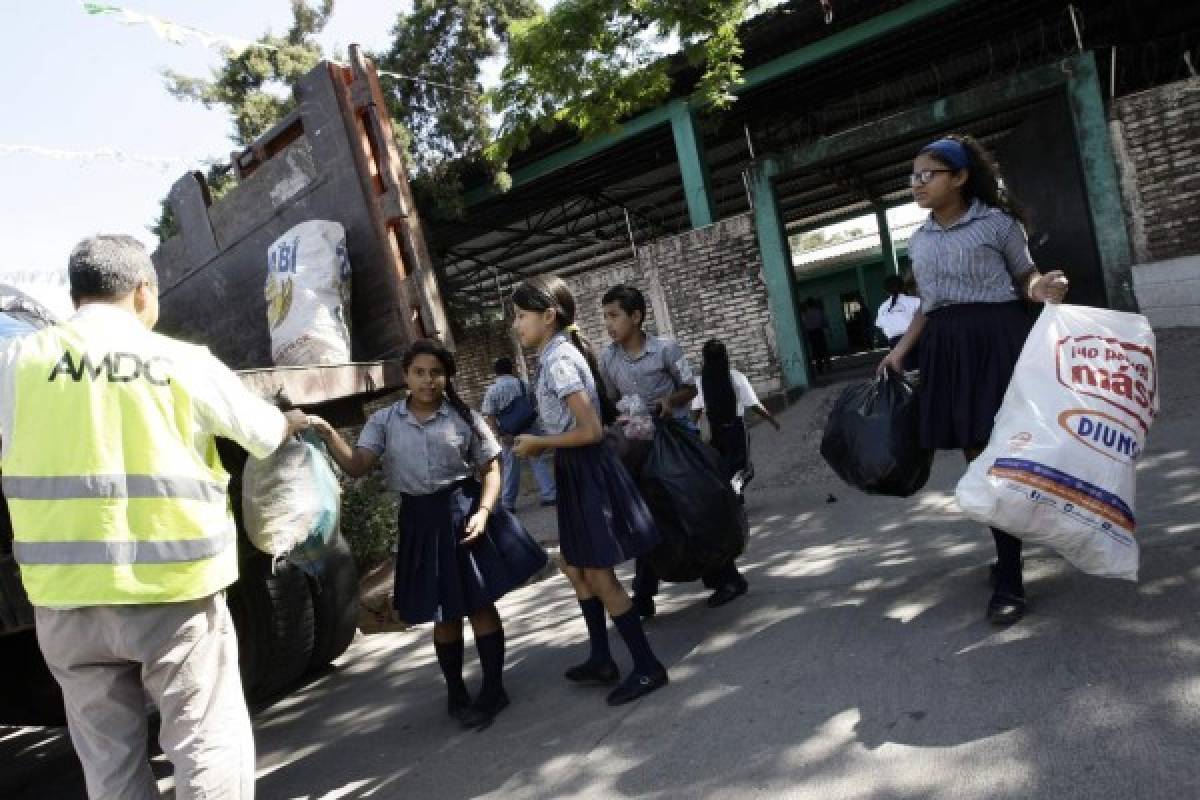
x,y
872,438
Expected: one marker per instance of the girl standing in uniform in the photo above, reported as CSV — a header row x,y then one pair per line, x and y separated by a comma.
x,y
602,519
457,551
972,265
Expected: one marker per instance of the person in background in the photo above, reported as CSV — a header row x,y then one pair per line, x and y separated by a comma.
x,y
813,320
498,397
972,264
122,527
725,395
441,460
896,314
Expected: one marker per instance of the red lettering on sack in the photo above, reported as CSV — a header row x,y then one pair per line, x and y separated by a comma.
x,y
1122,374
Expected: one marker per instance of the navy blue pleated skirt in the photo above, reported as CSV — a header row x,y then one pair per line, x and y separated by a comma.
x,y
602,519
439,579
967,355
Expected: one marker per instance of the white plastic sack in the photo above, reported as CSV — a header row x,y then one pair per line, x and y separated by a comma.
x,y
1059,469
308,292
291,499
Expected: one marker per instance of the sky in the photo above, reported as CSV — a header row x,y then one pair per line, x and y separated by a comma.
x,y
75,82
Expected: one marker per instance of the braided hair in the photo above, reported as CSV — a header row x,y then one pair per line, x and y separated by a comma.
x,y
550,292
429,347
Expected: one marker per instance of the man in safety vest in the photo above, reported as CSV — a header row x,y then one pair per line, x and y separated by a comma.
x,y
122,527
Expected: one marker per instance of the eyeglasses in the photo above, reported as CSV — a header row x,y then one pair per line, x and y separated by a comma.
x,y
924,176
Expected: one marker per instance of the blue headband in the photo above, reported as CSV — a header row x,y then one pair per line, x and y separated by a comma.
x,y
951,151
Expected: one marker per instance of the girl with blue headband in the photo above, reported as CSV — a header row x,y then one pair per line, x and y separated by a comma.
x,y
973,270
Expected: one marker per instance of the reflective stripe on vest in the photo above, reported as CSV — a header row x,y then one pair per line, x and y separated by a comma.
x,y
70,487
137,552
113,496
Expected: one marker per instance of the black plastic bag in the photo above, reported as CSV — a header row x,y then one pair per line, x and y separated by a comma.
x,y
703,526
872,439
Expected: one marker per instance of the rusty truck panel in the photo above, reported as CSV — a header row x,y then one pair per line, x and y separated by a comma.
x,y
333,158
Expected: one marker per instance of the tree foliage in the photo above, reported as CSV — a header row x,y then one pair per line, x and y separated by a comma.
x,y
591,63
255,85
443,119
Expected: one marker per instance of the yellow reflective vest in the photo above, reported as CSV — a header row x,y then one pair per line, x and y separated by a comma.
x,y
114,498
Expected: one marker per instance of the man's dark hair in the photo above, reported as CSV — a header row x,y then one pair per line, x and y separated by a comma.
x,y
503,366
109,266
628,298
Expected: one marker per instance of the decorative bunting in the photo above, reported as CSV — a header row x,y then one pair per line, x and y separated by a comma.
x,y
162,164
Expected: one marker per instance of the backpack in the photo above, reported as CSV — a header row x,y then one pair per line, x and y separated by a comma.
x,y
519,415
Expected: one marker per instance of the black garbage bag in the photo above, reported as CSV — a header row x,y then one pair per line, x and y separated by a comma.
x,y
703,526
872,439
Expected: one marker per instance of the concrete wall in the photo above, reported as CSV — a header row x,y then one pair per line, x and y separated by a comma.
x,y
1168,292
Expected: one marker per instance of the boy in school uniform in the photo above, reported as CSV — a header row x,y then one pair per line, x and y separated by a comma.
x,y
656,369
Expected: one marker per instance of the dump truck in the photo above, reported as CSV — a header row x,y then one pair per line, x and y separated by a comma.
x,y
334,158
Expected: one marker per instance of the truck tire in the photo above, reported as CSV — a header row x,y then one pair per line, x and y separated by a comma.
x,y
281,607
29,695
335,604
248,635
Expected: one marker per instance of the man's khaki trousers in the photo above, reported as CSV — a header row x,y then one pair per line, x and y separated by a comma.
x,y
184,656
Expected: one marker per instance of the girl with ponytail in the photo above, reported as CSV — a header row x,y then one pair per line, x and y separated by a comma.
x,y
458,553
602,519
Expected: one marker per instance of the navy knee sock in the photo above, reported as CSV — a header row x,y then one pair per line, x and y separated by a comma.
x,y
491,661
450,659
629,625
597,628
1008,561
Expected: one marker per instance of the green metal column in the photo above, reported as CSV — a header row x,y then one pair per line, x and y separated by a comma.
x,y
1101,181
689,148
891,264
777,271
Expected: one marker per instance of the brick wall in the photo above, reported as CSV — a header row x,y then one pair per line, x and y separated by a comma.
x,y
1158,141
711,284
698,285
478,345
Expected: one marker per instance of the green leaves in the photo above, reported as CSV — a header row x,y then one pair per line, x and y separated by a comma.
x,y
255,84
592,63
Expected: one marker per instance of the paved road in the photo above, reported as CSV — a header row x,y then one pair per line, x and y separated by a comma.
x,y
859,666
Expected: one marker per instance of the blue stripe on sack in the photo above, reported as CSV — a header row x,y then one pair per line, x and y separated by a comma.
x,y
1069,481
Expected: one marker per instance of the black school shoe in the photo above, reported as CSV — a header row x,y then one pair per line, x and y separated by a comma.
x,y
594,673
484,710
637,685
1006,606
728,593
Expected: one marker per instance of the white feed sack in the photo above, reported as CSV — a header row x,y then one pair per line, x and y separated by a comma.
x,y
1060,467
308,295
